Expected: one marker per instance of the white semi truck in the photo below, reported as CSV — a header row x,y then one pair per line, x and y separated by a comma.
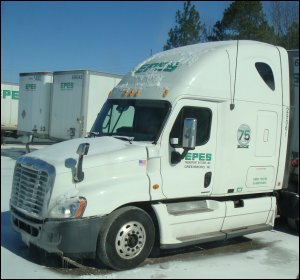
x,y
9,109
190,147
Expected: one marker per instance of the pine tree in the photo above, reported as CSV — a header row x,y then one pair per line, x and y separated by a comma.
x,y
243,20
218,33
188,28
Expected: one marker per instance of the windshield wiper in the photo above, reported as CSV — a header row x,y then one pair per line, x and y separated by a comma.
x,y
126,138
92,133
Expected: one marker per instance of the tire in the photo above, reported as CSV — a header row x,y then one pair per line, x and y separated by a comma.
x,y
125,239
293,224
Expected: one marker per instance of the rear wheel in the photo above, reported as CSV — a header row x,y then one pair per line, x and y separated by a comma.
x,y
293,224
126,238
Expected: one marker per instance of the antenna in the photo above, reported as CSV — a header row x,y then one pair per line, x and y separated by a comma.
x,y
232,105
231,97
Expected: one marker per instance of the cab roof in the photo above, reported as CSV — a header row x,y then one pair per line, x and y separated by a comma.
x,y
214,71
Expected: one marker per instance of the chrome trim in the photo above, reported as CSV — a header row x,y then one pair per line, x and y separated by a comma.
x,y
188,207
32,186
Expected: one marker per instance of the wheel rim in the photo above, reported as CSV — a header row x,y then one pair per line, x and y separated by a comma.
x,y
130,240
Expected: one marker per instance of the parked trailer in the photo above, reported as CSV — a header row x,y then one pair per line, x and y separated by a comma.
x,y
289,197
190,147
34,108
9,109
77,97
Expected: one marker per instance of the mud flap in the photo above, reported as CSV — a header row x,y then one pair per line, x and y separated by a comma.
x,y
288,204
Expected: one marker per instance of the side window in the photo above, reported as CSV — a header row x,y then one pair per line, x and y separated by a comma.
x,y
266,73
203,116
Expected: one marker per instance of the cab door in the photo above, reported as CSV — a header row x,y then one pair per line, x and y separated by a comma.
x,y
194,175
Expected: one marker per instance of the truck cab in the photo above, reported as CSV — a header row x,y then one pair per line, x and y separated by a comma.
x,y
189,147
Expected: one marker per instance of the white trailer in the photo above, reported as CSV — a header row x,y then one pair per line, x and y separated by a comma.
x,y
288,205
34,108
9,108
190,147
77,97
294,82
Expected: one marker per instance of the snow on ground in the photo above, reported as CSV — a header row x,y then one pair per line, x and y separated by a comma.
x,y
267,255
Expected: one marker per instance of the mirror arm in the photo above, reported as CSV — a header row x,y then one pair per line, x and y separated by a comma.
x,y
184,153
79,174
176,157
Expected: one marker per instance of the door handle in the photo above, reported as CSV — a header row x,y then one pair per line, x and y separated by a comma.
x,y
207,179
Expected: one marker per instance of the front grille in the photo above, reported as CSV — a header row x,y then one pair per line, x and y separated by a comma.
x,y
32,183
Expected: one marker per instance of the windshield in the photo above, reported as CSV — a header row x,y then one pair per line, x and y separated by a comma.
x,y
141,120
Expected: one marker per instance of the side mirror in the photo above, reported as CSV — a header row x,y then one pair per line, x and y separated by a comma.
x,y
27,139
188,140
189,134
82,150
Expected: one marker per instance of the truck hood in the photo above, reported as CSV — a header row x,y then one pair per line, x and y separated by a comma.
x,y
102,151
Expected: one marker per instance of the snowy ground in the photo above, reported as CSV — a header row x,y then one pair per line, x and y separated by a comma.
x,y
267,255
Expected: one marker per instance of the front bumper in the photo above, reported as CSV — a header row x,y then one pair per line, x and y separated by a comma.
x,y
68,237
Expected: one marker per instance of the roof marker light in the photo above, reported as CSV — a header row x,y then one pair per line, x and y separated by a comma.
x,y
125,93
131,92
137,93
110,93
165,93
155,187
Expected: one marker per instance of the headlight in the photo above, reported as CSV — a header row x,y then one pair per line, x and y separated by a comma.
x,y
69,208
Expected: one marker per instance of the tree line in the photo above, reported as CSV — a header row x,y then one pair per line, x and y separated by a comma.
x,y
242,20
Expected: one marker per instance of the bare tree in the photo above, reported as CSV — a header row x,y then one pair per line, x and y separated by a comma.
x,y
284,16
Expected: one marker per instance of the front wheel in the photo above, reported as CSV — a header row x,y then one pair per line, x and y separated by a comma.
x,y
126,238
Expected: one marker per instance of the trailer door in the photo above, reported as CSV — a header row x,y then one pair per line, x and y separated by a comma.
x,y
66,111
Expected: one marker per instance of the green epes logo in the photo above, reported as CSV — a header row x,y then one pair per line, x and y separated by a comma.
x,y
158,67
198,156
66,85
30,86
6,93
